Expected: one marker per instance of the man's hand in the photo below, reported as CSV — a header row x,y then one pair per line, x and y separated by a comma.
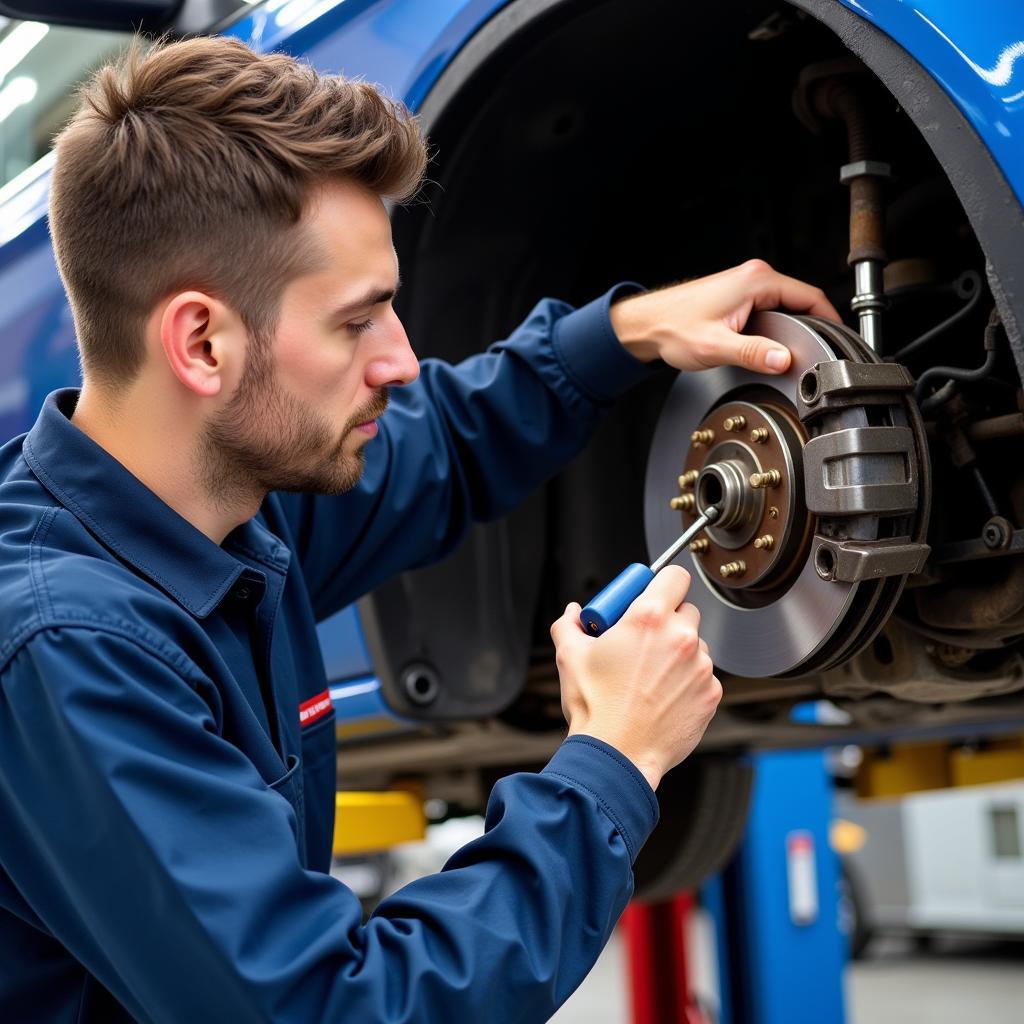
x,y
647,685
696,325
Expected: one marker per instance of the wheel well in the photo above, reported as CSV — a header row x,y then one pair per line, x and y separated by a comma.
x,y
577,144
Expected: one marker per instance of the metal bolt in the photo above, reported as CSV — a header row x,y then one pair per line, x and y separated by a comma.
x,y
737,568
997,533
702,436
770,478
765,543
689,478
773,512
422,684
699,546
735,423
686,502
759,435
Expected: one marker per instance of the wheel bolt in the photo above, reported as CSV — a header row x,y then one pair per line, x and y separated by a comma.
x,y
759,435
735,423
765,543
686,502
702,436
770,478
737,568
689,478
699,546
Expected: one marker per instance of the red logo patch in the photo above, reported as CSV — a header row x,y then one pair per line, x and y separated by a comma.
x,y
315,708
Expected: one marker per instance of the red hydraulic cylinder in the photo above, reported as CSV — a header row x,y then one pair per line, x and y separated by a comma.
x,y
655,935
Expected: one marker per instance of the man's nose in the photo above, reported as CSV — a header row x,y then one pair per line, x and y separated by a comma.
x,y
393,363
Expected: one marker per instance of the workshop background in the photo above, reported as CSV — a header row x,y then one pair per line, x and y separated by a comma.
x,y
849,844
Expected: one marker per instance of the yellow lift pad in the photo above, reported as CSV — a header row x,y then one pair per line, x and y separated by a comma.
x,y
371,822
999,761
913,767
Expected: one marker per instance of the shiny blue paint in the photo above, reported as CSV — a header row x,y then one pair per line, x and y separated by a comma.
x,y
976,56
402,45
362,701
37,339
358,698
343,646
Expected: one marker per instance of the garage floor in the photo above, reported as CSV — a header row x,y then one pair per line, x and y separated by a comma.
x,y
958,981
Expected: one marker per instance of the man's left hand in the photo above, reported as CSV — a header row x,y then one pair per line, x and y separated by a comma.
x,y
697,324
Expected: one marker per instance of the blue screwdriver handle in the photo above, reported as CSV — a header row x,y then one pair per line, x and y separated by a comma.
x,y
611,603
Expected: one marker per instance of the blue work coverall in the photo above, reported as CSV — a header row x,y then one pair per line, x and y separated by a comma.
x,y
166,808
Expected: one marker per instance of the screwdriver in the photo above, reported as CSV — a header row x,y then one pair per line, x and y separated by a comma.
x,y
611,603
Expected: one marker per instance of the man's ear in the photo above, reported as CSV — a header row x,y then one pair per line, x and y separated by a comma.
x,y
198,335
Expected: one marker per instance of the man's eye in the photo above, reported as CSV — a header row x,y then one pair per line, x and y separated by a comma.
x,y
360,328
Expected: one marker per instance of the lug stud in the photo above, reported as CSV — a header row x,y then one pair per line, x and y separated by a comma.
x,y
699,546
686,502
737,568
735,423
759,435
773,512
765,543
770,478
689,478
702,436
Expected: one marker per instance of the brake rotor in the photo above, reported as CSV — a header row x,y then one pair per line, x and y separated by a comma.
x,y
821,477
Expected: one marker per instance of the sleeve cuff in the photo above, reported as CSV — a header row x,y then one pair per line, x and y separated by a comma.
x,y
590,352
614,782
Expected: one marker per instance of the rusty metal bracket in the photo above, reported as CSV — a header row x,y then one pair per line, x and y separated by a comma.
x,y
853,561
976,549
841,383
861,470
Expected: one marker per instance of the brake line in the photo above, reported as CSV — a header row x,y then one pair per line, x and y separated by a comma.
x,y
972,295
959,374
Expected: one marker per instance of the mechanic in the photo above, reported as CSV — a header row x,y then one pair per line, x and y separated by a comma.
x,y
227,477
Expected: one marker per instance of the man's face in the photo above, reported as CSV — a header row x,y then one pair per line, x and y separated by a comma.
x,y
306,405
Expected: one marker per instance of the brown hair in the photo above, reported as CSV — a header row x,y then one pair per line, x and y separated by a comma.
x,y
188,167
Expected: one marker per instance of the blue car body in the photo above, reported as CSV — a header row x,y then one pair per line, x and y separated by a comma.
x,y
406,46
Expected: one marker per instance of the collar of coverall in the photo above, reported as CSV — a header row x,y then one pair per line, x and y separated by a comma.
x,y
130,520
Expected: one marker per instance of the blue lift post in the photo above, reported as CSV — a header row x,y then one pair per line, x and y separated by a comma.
x,y
776,907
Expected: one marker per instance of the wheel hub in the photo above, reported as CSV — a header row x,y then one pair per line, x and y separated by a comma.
x,y
748,470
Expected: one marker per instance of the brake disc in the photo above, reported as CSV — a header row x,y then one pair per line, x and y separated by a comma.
x,y
821,477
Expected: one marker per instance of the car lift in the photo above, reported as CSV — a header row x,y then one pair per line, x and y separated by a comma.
x,y
775,909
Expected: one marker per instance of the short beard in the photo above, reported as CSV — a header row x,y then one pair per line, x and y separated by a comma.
x,y
265,440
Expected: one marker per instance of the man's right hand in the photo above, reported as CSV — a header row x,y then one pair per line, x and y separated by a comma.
x,y
647,685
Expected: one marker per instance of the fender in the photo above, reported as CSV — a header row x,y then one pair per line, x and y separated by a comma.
x,y
978,62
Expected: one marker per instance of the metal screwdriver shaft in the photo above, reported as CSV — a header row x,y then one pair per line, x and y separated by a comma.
x,y
604,610
709,515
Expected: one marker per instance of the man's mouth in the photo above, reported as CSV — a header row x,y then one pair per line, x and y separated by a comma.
x,y
373,411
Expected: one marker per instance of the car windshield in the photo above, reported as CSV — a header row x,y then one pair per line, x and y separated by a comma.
x,y
40,65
